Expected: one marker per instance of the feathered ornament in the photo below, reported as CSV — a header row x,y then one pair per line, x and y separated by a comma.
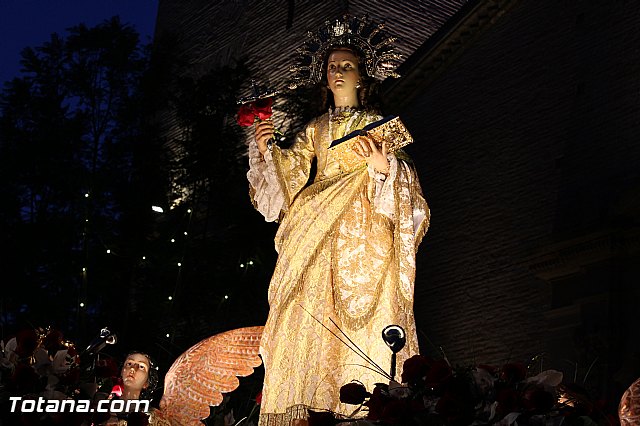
x,y
199,377
629,408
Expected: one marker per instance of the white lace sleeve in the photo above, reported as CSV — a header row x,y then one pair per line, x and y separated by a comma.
x,y
383,196
268,197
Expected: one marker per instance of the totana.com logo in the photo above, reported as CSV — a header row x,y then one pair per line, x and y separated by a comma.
x,y
42,405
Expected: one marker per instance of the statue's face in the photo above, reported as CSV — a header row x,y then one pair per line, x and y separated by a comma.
x,y
343,74
135,372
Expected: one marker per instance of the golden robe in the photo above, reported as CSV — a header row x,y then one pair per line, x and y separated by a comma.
x,y
346,251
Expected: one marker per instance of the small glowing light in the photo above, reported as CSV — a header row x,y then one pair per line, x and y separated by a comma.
x,y
226,297
179,264
81,304
185,232
170,298
144,257
173,240
188,210
242,265
250,262
108,251
86,220
167,334
157,209
84,269
86,195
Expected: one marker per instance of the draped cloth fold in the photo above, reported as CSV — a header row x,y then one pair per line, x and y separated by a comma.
x,y
346,252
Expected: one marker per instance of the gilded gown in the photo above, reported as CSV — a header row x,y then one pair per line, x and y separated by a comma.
x,y
346,251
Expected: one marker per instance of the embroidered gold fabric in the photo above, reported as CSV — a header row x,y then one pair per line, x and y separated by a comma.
x,y
340,259
393,132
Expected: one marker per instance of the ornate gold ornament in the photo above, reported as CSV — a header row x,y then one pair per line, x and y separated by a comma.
x,y
367,37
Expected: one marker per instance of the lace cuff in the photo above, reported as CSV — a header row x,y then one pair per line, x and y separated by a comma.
x,y
268,197
383,196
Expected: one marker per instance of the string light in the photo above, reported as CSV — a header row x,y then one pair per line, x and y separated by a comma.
x,y
170,297
185,232
157,209
86,195
179,264
144,257
173,240
188,210
226,297
81,304
242,265
108,251
84,269
250,262
167,334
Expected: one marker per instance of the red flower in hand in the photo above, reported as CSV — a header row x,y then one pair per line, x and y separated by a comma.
x,y
259,109
246,117
262,108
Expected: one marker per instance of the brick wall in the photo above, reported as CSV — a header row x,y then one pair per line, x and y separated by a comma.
x,y
527,141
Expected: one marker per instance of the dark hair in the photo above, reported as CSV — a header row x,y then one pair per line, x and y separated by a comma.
x,y
369,96
152,377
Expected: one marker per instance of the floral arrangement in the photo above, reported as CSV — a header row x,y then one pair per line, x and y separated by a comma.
x,y
434,393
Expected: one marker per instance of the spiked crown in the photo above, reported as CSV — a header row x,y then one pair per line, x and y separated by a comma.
x,y
367,37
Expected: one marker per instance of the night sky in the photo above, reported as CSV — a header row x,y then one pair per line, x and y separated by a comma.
x,y
26,23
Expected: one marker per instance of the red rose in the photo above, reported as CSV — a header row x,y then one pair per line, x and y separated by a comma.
x,y
353,393
259,398
415,369
246,117
262,108
53,341
439,373
259,109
